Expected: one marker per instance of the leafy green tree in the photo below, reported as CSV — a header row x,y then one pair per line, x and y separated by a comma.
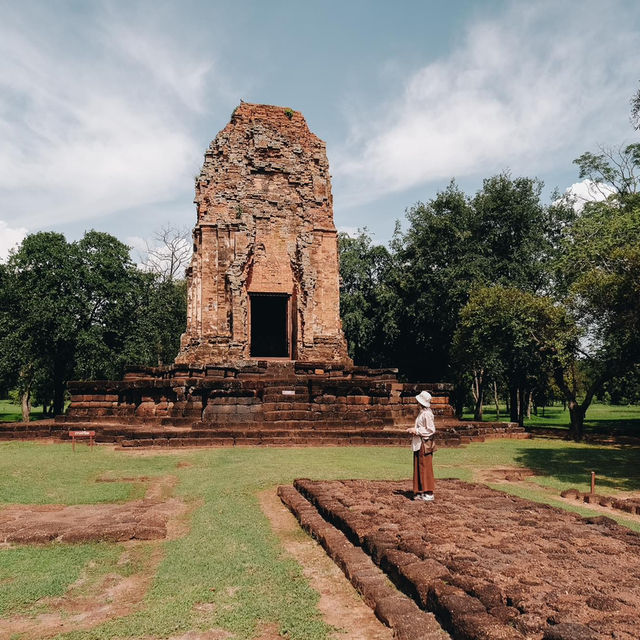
x,y
437,268
38,307
81,310
368,301
454,244
614,173
599,275
160,320
516,336
513,233
65,311
623,389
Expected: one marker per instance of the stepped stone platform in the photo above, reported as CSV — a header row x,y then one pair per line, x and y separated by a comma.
x,y
482,564
260,403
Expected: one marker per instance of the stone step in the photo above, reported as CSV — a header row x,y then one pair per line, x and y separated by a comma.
x,y
298,441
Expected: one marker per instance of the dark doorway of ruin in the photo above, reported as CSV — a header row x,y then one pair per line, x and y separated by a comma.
x,y
269,325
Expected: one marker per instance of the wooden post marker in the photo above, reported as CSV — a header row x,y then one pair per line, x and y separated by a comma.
x,y
593,482
82,434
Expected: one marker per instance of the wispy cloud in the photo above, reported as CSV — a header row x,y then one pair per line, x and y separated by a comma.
x,y
95,115
541,79
9,239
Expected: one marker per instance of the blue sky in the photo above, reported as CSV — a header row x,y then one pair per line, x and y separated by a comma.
x,y
106,108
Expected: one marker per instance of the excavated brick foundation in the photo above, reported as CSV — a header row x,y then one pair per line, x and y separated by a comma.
x,y
485,564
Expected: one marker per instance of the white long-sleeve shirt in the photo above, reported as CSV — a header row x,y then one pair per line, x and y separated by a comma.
x,y
424,428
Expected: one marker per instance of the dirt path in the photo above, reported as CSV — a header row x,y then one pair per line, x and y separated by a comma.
x,y
340,605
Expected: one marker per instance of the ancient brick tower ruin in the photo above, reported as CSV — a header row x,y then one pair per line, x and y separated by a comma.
x,y
264,282
263,359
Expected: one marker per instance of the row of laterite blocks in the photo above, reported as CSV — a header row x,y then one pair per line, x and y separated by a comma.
x,y
629,505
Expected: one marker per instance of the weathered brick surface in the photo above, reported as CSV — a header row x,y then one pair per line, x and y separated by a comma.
x,y
492,566
391,607
265,225
628,505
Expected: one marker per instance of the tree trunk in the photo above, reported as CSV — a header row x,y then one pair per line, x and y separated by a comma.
x,y
513,404
521,406
478,383
496,400
576,416
25,401
58,397
529,402
477,412
577,410
477,389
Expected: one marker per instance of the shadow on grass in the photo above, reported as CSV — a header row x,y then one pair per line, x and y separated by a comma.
x,y
594,429
617,468
614,427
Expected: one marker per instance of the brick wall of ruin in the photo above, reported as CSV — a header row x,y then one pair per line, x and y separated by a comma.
x,y
265,225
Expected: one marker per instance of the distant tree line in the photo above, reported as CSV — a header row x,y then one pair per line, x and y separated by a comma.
x,y
502,294
84,310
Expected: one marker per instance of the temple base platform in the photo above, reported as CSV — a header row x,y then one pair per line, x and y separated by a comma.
x,y
288,403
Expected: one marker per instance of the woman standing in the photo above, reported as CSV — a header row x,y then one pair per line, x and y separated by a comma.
x,y
423,447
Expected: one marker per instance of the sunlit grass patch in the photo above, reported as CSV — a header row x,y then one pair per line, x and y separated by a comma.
x,y
28,574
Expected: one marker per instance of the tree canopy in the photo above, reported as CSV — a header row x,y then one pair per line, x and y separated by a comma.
x,y
80,310
501,288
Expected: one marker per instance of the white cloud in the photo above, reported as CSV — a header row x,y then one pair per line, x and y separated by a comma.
x,y
588,191
9,238
520,90
94,115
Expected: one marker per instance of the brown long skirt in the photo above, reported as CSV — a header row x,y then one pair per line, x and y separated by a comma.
x,y
423,479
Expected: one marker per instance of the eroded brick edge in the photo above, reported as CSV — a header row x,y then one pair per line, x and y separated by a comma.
x,y
392,607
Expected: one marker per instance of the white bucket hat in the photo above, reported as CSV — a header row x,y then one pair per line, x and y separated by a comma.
x,y
424,398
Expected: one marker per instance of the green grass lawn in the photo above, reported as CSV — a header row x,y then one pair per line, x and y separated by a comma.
x,y
601,418
230,558
11,411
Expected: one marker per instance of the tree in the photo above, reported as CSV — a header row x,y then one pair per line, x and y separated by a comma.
x,y
613,174
454,244
635,110
37,310
368,303
170,255
160,319
599,275
514,335
514,233
437,268
65,311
